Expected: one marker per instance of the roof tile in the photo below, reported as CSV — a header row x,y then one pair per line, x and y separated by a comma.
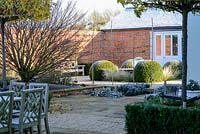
x,y
128,20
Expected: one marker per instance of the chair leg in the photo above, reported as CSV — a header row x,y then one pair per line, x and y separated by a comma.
x,y
10,130
46,125
26,131
31,130
39,129
21,131
13,131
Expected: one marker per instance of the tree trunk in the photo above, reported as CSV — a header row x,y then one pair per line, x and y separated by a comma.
x,y
3,54
26,74
184,56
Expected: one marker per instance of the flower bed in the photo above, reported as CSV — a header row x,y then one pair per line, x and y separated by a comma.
x,y
121,90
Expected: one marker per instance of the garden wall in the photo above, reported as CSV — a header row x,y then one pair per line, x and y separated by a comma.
x,y
117,46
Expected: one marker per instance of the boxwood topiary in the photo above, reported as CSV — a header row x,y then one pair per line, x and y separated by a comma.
x,y
148,71
174,68
130,62
100,67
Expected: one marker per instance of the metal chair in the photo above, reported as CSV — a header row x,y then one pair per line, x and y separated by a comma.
x,y
17,87
30,111
44,114
6,104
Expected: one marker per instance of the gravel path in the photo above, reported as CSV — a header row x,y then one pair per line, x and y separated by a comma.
x,y
83,114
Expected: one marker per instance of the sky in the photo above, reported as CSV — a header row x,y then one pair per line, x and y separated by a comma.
x,y
98,5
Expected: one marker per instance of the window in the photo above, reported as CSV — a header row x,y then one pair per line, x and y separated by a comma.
x,y
168,45
158,45
175,45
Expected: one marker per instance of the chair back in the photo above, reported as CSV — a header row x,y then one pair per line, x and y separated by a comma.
x,y
31,107
45,97
17,87
6,103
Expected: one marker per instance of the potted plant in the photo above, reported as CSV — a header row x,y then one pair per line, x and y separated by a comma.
x,y
193,89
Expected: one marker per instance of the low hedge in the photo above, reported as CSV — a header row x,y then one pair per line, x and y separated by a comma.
x,y
100,67
155,119
148,71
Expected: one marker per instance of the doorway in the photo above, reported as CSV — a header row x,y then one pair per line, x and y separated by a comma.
x,y
167,46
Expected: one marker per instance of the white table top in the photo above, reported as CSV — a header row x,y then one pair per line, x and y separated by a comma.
x,y
15,98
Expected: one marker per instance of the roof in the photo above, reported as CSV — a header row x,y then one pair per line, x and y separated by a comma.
x,y
128,20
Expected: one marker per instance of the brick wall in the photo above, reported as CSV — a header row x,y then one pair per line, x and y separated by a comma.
x,y
117,47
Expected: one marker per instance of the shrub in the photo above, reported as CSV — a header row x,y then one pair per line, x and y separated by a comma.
x,y
193,85
173,68
148,71
99,68
55,77
132,89
118,76
167,73
130,62
106,92
155,119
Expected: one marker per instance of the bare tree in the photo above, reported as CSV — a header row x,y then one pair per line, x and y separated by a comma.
x,y
99,19
35,48
21,9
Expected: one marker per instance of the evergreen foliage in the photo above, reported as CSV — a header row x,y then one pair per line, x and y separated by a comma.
x,y
100,67
155,119
148,71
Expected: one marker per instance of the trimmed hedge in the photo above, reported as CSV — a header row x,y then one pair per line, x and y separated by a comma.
x,y
148,71
100,67
155,119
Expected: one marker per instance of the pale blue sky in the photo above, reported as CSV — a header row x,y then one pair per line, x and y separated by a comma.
x,y
98,5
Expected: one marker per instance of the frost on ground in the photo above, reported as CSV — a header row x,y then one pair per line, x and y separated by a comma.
x,y
103,115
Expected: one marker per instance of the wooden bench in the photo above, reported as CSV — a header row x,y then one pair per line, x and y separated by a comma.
x,y
130,70
75,69
126,69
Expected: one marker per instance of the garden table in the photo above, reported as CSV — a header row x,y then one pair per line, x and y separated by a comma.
x,y
14,99
17,98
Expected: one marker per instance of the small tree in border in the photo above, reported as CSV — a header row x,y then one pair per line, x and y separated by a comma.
x,y
36,48
182,6
20,9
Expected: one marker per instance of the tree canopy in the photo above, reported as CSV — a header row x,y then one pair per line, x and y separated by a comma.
x,y
20,9
182,6
16,9
34,48
99,19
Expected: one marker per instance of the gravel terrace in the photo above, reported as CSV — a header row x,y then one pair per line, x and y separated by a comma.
x,y
83,114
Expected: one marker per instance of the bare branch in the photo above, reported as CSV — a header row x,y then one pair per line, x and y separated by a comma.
x,y
34,48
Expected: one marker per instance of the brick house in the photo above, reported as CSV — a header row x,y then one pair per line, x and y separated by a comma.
x,y
128,36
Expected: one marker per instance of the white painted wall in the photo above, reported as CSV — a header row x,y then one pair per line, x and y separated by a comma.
x,y
194,47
